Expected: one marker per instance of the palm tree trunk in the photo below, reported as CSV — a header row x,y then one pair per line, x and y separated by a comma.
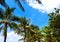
x,y
25,33
25,36
5,32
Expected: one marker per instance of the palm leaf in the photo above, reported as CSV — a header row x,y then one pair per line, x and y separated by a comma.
x,y
1,16
13,26
3,21
23,21
9,10
39,1
1,13
15,18
20,5
0,29
21,39
3,3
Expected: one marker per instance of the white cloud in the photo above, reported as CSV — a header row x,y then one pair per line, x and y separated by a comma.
x,y
46,6
11,37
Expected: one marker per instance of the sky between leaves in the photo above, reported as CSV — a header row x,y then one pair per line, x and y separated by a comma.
x,y
38,13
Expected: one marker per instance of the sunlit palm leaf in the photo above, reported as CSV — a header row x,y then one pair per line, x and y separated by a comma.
x,y
3,21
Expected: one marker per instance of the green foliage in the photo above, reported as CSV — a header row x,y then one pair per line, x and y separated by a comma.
x,y
54,23
31,32
54,20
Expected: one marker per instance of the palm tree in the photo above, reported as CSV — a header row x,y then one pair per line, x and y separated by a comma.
x,y
30,31
8,19
24,23
35,33
26,29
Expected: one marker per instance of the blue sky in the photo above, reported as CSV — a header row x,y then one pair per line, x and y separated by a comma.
x,y
38,18
36,12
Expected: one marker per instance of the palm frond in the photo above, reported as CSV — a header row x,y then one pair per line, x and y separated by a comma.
x,y
28,21
39,1
30,28
1,13
19,31
3,3
20,5
1,16
0,29
34,27
15,18
21,39
13,26
9,10
23,21
3,21
12,9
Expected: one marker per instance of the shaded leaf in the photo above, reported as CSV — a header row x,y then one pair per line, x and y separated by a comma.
x,y
20,5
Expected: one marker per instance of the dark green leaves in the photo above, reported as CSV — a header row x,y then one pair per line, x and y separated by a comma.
x,y
39,1
15,18
9,10
1,13
13,26
3,3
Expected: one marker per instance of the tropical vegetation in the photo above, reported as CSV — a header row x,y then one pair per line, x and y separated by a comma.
x,y
29,31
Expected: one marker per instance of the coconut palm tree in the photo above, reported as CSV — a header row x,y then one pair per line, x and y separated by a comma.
x,y
30,31
35,33
23,24
26,29
9,20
